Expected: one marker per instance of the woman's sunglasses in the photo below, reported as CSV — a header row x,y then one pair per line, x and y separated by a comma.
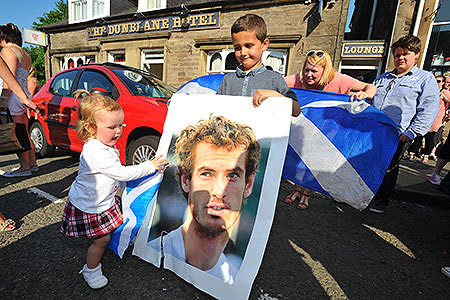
x,y
319,53
439,80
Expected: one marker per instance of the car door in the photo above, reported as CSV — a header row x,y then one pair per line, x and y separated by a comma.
x,y
58,116
92,81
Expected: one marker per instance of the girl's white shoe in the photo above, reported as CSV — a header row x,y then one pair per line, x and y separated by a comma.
x,y
94,277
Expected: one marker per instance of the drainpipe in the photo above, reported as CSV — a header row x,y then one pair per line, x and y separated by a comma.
x,y
320,9
418,17
392,35
372,19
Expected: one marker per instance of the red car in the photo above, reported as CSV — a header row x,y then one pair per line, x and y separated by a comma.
x,y
142,96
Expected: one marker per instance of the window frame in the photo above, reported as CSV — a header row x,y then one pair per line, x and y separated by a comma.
x,y
143,5
60,77
117,52
226,51
89,10
159,60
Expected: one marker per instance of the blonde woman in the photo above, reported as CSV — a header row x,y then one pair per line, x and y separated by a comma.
x,y
318,74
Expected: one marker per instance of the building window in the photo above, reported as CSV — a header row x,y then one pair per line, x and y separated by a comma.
x,y
224,61
370,19
98,8
117,57
145,5
437,57
152,61
80,10
70,62
85,10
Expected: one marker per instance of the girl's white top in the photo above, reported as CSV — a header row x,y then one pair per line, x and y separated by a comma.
x,y
98,177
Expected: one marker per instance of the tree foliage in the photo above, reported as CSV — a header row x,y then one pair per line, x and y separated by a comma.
x,y
37,57
60,13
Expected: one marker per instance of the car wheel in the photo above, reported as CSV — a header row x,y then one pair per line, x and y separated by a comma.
x,y
142,149
37,135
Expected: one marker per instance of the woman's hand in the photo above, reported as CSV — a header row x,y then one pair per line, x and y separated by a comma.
x,y
359,96
31,106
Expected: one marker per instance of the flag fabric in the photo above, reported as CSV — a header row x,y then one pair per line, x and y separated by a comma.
x,y
336,147
136,197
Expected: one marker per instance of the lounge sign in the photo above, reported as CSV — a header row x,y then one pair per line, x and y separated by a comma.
x,y
362,49
193,21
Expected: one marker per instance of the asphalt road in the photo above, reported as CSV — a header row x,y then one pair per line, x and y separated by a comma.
x,y
329,251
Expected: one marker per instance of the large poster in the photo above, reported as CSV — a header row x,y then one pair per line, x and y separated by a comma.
x,y
211,217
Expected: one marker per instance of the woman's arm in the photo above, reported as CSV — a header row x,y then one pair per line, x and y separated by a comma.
x,y
13,85
32,85
363,90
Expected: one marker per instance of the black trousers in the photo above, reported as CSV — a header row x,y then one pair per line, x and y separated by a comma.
x,y
431,140
390,178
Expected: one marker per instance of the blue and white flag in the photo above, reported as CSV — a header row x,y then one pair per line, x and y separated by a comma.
x,y
336,147
137,195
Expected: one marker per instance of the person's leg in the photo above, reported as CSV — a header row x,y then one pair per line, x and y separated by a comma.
x,y
92,270
381,199
95,251
32,153
430,142
24,158
294,195
440,163
6,224
415,147
304,199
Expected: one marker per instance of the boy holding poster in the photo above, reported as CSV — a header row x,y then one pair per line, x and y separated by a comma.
x,y
252,78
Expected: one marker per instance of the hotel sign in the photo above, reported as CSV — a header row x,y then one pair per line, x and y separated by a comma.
x,y
193,21
366,49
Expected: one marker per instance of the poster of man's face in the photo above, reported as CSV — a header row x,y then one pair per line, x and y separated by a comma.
x,y
203,221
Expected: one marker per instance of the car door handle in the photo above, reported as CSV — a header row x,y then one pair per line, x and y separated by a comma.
x,y
74,108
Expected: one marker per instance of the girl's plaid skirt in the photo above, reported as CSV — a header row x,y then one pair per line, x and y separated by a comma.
x,y
78,223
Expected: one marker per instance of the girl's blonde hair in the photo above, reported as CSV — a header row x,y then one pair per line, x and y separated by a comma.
x,y
90,105
325,62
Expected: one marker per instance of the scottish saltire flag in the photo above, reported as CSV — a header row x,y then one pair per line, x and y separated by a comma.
x,y
137,195
336,147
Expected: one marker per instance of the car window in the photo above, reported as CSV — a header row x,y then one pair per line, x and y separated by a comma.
x,y
90,80
62,84
141,84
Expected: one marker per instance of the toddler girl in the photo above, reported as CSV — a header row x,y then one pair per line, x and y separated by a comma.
x,y
92,208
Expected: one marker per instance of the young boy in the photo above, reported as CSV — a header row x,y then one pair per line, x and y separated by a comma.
x,y
252,78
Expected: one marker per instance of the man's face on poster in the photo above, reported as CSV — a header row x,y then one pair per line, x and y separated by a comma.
x,y
217,186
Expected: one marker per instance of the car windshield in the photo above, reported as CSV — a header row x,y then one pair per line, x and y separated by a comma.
x,y
141,84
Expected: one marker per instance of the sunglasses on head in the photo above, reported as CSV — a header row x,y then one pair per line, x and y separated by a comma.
x,y
319,53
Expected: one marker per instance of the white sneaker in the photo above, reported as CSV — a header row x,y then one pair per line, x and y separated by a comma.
x,y
33,169
446,271
434,179
24,173
94,277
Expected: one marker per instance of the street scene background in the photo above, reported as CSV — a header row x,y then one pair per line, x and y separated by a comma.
x,y
329,251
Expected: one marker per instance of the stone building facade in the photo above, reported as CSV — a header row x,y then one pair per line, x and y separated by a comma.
x,y
187,39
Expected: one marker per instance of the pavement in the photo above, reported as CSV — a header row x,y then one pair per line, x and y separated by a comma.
x,y
413,185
